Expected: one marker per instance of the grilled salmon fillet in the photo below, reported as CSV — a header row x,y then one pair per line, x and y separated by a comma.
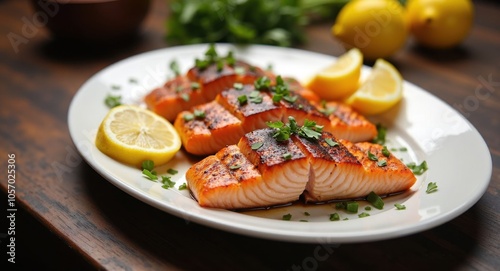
x,y
260,172
210,133
199,85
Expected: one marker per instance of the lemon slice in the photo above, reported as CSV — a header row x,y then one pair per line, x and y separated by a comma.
x,y
131,134
340,79
380,91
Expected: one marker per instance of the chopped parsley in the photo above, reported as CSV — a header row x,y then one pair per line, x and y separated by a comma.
x,y
150,175
167,182
113,100
363,214
257,145
287,217
372,156
185,97
183,186
255,97
385,151
350,206
399,206
287,156
382,163
431,187
174,67
330,142
242,99
381,134
309,130
334,217
375,200
238,86
307,214
172,171
195,85
234,167
418,169
199,114
148,164
212,57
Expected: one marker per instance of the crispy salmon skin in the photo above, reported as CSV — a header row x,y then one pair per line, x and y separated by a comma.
x,y
260,171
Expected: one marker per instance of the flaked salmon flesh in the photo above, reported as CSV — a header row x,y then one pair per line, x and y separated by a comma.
x,y
244,176
207,135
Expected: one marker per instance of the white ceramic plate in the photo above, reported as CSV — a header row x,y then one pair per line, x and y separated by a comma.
x,y
458,158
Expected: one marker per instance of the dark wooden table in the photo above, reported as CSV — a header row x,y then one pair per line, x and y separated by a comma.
x,y
68,217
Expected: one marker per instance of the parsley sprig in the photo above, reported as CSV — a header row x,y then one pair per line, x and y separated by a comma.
x,y
212,57
309,130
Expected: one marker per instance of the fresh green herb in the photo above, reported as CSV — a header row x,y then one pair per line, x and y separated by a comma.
x,y
269,67
330,142
368,208
431,187
199,114
287,217
382,163
174,66
115,87
334,217
352,206
346,218
148,164
287,156
281,91
183,186
283,131
257,145
242,99
340,205
399,206
149,175
363,214
375,200
133,80
234,167
178,89
418,169
307,214
385,151
113,100
167,182
195,85
194,21
303,220
188,117
185,97
403,149
239,70
327,110
372,156
310,130
381,134
238,86
255,97
212,57
172,171
262,83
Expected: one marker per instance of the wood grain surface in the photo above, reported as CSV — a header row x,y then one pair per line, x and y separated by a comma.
x,y
70,218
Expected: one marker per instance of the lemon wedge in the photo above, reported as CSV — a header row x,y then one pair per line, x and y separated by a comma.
x,y
131,134
380,91
340,79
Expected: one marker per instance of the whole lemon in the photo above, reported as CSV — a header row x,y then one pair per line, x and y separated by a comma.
x,y
440,23
378,28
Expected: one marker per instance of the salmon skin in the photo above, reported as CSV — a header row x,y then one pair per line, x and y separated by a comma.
x,y
260,172
246,108
200,84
